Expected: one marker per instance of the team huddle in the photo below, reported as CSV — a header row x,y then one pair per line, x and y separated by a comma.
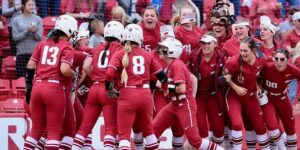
x,y
207,91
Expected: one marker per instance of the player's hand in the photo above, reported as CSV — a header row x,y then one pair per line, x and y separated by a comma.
x,y
113,93
296,110
227,78
240,90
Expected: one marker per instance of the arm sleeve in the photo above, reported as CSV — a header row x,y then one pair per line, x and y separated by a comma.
x,y
295,71
155,67
178,72
6,11
38,35
36,53
114,64
18,35
67,55
230,66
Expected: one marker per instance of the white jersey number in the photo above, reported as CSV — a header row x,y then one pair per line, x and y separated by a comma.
x,y
271,84
53,57
138,64
105,63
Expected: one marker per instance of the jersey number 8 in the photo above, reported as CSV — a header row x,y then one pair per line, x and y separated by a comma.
x,y
138,64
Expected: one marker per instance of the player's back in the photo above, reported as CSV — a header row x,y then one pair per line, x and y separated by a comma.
x,y
49,56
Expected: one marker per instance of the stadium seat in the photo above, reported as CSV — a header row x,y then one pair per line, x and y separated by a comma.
x,y
48,24
5,90
18,87
9,67
12,105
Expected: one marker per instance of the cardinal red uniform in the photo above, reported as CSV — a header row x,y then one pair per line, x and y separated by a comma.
x,y
231,47
151,36
209,98
135,101
98,100
292,38
189,40
183,107
276,84
245,75
48,93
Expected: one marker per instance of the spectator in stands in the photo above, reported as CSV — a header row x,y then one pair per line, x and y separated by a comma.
x,y
165,12
293,37
119,14
287,25
44,5
294,3
4,37
11,9
81,9
97,27
63,6
27,32
268,8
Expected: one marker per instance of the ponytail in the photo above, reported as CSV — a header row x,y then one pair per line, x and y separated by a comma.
x,y
125,62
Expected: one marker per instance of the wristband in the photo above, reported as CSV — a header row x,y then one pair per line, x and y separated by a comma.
x,y
172,88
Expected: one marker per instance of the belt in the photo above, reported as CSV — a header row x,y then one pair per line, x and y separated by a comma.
x,y
180,97
277,94
99,82
145,86
51,81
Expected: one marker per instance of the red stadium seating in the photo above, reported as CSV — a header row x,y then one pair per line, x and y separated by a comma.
x,y
5,90
9,67
12,105
18,87
48,24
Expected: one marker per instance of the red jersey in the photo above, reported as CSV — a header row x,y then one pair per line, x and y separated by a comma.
x,y
99,68
49,55
275,81
291,39
178,73
85,49
231,47
268,52
244,75
141,65
207,71
79,58
151,36
189,40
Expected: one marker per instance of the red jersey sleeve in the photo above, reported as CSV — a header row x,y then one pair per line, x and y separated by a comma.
x,y
295,71
231,65
36,53
178,71
114,64
67,55
155,66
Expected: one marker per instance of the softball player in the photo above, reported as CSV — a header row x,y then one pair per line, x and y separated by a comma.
x,y
182,107
276,77
135,101
52,59
96,65
241,74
